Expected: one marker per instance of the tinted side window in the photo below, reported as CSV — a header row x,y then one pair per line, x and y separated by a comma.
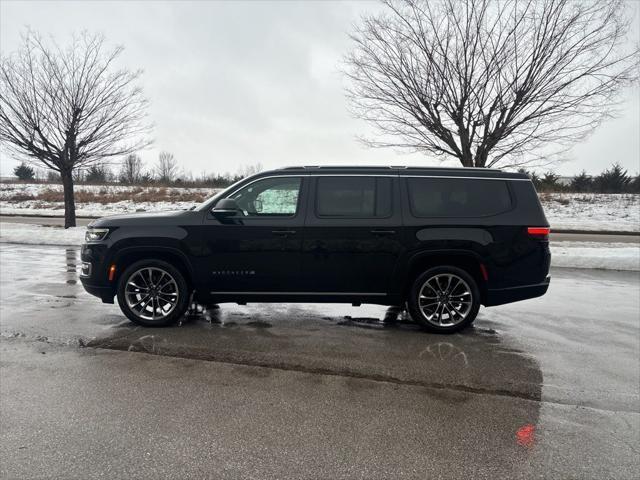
x,y
453,197
358,197
269,197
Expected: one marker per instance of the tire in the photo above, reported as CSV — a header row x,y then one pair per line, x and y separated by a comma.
x,y
452,307
168,296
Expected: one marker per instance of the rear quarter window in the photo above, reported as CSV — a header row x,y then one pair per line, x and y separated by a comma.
x,y
458,197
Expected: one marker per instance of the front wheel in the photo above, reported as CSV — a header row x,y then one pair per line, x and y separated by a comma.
x,y
444,299
153,293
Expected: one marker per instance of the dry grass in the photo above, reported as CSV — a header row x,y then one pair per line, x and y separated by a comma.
x,y
546,197
104,196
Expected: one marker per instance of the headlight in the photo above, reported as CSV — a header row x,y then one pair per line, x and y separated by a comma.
x,y
96,234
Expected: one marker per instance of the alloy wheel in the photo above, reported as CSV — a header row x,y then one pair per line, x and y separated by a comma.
x,y
445,300
151,293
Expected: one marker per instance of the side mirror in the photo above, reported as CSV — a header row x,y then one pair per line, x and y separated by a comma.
x,y
227,207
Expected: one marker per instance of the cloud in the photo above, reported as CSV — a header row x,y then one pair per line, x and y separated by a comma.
x,y
235,83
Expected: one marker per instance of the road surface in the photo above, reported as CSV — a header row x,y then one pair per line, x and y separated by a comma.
x,y
546,388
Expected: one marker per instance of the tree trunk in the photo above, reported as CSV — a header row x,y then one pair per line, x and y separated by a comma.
x,y
69,201
466,159
481,158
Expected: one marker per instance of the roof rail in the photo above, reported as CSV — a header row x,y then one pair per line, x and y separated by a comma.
x,y
394,167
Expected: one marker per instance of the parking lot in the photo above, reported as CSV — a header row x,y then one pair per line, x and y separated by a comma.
x,y
545,388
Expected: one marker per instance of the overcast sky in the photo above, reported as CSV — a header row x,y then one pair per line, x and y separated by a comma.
x,y
236,83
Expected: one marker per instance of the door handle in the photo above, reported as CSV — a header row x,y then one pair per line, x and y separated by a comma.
x,y
383,232
283,232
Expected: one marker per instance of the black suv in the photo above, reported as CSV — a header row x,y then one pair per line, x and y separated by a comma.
x,y
440,241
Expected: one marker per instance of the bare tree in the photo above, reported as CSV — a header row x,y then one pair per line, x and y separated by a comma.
x,y
248,170
131,169
490,82
166,168
67,108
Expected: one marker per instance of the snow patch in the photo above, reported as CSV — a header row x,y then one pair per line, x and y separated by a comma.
x,y
592,211
40,234
91,209
609,256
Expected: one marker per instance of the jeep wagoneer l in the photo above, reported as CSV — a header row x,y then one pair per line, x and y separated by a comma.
x,y
442,241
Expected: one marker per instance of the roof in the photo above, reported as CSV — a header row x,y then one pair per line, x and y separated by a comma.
x,y
399,170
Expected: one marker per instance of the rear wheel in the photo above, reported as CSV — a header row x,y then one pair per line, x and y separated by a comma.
x,y
444,299
153,293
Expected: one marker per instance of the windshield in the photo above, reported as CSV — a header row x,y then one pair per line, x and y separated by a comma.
x,y
222,194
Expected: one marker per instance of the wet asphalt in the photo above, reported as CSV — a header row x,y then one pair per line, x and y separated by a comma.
x,y
547,388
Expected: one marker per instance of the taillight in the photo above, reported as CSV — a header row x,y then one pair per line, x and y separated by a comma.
x,y
540,232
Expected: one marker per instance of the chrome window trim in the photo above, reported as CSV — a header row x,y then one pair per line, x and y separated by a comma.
x,y
377,175
397,175
505,179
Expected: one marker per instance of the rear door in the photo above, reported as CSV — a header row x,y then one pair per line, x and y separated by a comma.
x,y
353,234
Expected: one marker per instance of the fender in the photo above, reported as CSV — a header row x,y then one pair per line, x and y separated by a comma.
x,y
120,253
401,277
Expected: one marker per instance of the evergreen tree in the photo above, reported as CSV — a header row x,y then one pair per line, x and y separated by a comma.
x,y
613,180
24,172
549,181
634,185
97,173
581,183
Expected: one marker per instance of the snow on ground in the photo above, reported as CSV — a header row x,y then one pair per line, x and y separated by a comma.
x,y
92,209
609,256
132,204
592,211
565,211
40,235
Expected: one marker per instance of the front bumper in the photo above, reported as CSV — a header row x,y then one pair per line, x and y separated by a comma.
x,y
93,274
105,293
501,296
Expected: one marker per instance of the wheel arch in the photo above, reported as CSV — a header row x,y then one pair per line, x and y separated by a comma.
x,y
468,261
127,256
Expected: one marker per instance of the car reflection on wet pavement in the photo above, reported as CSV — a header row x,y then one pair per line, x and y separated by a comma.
x,y
545,388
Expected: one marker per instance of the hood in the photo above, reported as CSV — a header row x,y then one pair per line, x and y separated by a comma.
x,y
173,217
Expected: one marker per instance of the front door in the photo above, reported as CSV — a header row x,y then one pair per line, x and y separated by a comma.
x,y
258,249
353,234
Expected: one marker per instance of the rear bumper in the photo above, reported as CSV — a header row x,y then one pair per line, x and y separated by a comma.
x,y
514,294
